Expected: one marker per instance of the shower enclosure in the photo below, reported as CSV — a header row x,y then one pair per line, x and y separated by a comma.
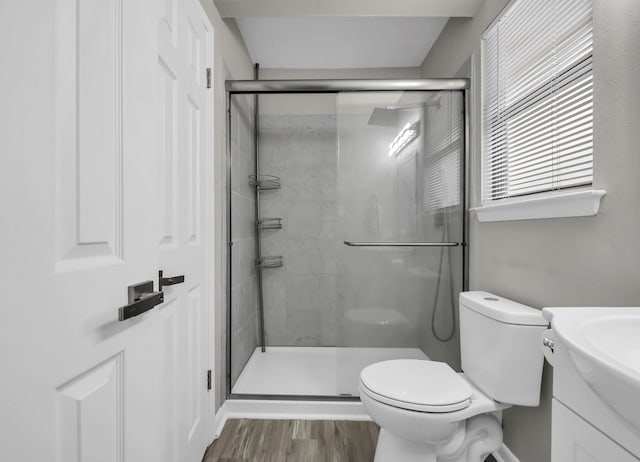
x,y
347,230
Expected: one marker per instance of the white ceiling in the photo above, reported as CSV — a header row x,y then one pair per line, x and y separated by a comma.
x,y
339,42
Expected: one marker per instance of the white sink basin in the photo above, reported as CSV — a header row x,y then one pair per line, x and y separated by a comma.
x,y
604,344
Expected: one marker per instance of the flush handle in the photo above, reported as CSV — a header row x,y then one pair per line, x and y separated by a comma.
x,y
549,344
142,298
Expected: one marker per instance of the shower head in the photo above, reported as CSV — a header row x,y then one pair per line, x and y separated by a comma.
x,y
383,117
388,116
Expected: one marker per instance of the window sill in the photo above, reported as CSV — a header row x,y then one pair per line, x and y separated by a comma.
x,y
554,205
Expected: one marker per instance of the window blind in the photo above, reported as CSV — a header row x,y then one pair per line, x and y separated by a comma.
x,y
537,99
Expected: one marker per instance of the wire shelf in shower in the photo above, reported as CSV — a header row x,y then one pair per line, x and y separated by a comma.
x,y
269,223
269,262
264,182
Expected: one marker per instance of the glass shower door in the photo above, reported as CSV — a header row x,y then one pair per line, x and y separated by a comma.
x,y
400,219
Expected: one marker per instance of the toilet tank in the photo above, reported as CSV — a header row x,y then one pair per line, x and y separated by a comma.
x,y
500,347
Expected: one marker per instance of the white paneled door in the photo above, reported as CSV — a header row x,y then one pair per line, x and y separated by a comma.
x,y
105,126
184,48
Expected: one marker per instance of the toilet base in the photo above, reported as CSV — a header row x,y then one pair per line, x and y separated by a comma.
x,y
473,442
392,448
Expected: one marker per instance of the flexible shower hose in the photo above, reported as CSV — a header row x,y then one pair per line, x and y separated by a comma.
x,y
448,336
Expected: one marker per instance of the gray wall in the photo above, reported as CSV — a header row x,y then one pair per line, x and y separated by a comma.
x,y
571,261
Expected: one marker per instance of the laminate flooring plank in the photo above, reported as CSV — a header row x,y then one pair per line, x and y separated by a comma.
x,y
248,440
273,439
235,459
231,442
303,450
362,441
223,446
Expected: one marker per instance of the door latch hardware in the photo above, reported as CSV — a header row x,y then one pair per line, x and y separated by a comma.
x,y
209,379
142,298
169,281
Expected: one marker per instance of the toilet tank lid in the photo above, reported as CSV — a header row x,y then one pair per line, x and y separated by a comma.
x,y
502,309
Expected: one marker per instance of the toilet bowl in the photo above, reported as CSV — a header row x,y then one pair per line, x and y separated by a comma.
x,y
430,411
427,412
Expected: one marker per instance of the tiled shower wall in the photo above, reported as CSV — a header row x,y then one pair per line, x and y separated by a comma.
x,y
334,171
243,274
300,299
379,300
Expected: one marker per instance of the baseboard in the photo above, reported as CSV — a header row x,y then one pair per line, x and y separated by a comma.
x,y
219,421
277,410
504,455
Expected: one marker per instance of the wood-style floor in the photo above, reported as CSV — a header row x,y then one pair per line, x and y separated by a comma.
x,y
245,440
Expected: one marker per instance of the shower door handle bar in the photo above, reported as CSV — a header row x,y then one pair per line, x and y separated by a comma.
x,y
402,244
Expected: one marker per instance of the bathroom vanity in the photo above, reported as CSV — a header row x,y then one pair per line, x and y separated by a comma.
x,y
595,371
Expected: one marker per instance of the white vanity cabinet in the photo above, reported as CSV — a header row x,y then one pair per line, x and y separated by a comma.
x,y
584,428
575,440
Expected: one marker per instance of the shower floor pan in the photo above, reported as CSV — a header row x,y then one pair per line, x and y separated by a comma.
x,y
312,371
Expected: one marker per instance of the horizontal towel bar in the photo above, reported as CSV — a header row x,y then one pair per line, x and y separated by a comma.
x,y
402,244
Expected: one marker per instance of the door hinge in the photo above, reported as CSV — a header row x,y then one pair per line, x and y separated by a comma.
x,y
209,379
208,77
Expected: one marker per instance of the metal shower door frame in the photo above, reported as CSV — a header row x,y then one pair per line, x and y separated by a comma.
x,y
256,87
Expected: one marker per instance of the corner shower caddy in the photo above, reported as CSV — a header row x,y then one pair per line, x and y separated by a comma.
x,y
265,183
269,223
259,183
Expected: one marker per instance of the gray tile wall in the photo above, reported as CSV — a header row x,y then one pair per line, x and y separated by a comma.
x,y
309,301
300,298
372,208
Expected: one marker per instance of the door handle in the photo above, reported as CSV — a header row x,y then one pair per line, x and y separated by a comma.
x,y
141,299
168,281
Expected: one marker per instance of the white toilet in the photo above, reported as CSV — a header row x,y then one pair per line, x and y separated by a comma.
x,y
428,413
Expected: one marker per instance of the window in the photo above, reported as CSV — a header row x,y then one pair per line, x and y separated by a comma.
x,y
443,151
537,99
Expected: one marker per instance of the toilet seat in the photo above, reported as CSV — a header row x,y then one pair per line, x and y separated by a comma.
x,y
417,385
